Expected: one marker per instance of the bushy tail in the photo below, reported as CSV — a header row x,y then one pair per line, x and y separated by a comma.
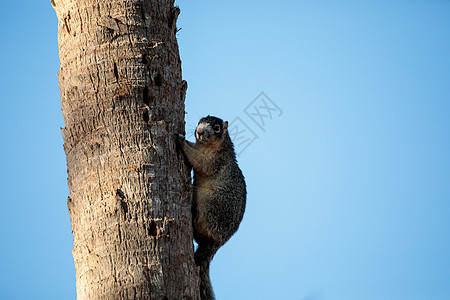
x,y
203,256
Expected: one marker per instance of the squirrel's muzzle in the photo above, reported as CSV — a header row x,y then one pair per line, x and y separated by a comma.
x,y
203,132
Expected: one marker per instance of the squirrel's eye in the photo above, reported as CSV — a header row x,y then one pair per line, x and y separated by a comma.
x,y
217,128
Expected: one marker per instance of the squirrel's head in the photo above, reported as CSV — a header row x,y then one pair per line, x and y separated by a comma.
x,y
211,131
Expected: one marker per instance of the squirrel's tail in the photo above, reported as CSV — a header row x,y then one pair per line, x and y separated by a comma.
x,y
203,256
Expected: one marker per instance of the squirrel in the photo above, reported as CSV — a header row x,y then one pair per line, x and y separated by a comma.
x,y
219,192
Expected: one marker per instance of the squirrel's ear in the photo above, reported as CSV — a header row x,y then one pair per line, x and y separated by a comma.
x,y
225,125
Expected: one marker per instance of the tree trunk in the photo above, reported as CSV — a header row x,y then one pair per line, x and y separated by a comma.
x,y
122,98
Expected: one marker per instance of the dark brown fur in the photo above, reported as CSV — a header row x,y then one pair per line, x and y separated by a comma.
x,y
219,193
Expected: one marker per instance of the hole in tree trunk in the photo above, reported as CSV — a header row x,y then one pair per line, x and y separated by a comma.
x,y
145,95
145,116
158,80
124,207
153,230
116,72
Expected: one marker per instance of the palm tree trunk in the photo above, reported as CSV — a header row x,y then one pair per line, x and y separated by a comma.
x,y
122,98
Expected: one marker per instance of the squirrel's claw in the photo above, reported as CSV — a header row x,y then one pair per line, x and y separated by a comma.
x,y
179,139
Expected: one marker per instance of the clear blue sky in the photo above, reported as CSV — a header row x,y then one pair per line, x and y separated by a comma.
x,y
348,190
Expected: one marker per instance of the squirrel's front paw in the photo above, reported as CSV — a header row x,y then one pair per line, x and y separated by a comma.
x,y
179,138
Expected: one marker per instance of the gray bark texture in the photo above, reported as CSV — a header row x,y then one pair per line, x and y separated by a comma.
x,y
122,98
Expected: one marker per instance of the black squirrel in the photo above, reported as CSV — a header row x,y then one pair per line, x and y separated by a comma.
x,y
219,192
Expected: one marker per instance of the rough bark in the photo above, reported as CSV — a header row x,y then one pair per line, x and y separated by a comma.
x,y
122,98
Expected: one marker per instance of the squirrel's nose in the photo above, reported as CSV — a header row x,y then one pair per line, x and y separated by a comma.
x,y
200,132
